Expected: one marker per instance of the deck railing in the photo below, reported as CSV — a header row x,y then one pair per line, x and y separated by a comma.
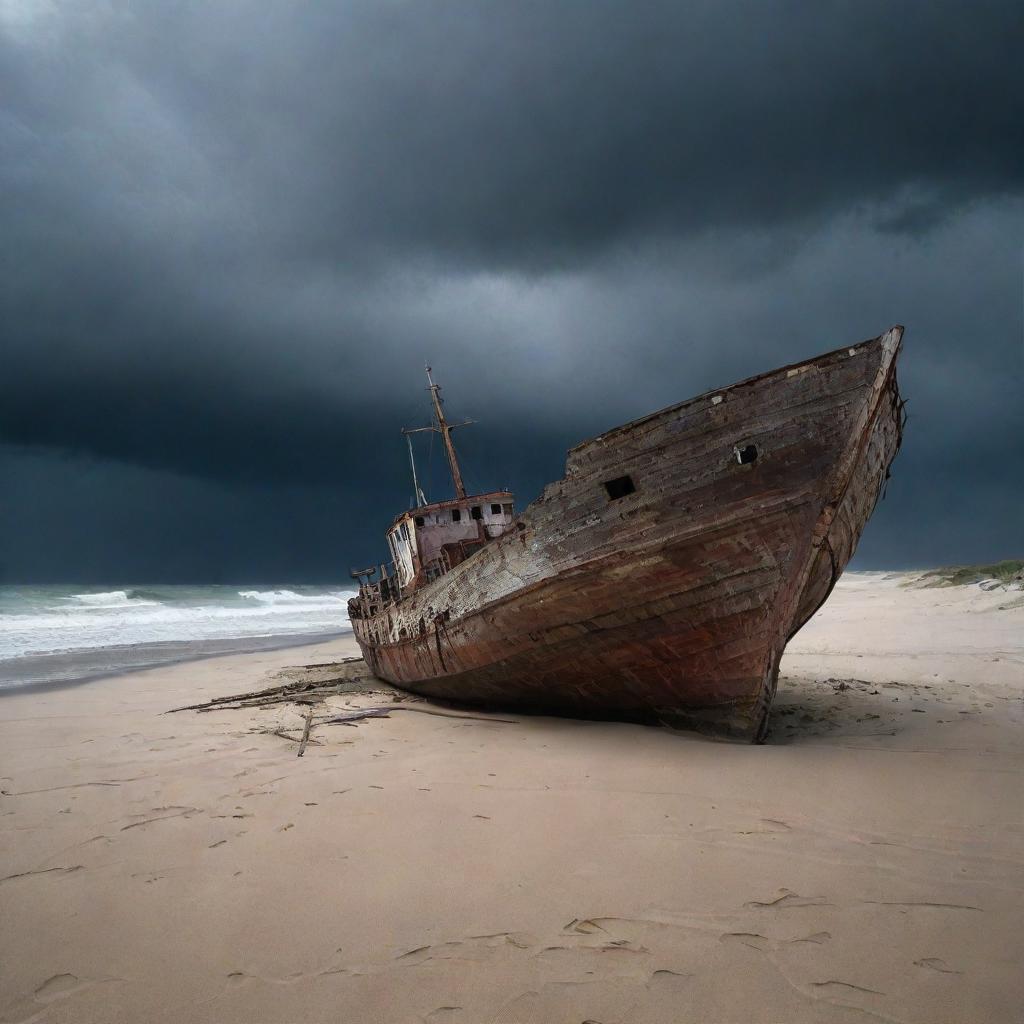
x,y
373,596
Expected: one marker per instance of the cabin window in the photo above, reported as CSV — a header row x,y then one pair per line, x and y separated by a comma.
x,y
419,520
746,454
456,515
507,508
476,512
439,520
619,487
495,510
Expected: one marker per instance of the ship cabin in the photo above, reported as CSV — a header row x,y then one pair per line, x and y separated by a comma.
x,y
428,541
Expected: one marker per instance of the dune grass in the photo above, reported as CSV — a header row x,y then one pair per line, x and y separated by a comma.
x,y
1009,571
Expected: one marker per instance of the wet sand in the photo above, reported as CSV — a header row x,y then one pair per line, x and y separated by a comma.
x,y
866,864
39,672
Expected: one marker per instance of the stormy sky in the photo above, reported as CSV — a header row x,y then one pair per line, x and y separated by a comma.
x,y
232,234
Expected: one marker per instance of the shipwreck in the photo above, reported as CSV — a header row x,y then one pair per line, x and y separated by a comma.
x,y
662,577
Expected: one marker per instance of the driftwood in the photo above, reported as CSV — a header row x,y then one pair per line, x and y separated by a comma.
x,y
312,692
284,735
305,732
385,712
351,717
300,693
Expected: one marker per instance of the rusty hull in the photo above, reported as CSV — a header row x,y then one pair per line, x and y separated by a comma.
x,y
674,601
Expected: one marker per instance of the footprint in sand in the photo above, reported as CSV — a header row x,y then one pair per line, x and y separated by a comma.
x,y
933,963
586,926
751,939
161,814
664,976
832,986
788,898
58,987
443,1013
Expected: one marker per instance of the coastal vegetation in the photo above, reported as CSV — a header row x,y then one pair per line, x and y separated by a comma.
x,y
1008,571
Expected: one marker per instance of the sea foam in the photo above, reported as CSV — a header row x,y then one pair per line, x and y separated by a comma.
x,y
48,620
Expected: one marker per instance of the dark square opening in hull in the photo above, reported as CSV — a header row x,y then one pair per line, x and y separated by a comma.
x,y
746,454
619,487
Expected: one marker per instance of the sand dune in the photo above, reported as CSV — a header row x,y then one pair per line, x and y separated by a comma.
x,y
866,864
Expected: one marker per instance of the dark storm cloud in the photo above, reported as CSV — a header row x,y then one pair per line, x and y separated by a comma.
x,y
232,234
519,134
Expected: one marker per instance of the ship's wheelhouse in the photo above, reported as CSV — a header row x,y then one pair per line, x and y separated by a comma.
x,y
427,541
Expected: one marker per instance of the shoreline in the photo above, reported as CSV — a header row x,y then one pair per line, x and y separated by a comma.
x,y
865,862
178,652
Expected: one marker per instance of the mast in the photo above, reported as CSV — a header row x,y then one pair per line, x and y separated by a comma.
x,y
446,433
444,428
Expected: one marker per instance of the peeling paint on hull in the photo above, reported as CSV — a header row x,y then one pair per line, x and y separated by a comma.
x,y
673,601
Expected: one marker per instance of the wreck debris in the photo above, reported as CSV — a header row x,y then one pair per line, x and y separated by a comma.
x,y
305,732
284,735
309,693
302,691
385,712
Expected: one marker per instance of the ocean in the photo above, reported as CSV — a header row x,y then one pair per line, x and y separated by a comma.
x,y
60,634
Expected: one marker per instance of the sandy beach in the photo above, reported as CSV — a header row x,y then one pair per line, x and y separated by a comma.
x,y
865,864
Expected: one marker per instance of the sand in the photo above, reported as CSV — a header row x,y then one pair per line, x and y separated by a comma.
x,y
865,865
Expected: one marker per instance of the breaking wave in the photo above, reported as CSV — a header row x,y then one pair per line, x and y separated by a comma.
x,y
289,597
111,599
52,619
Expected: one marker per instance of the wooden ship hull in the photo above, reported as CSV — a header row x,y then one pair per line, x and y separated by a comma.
x,y
663,575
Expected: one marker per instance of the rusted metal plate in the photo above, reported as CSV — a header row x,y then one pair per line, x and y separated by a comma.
x,y
664,573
